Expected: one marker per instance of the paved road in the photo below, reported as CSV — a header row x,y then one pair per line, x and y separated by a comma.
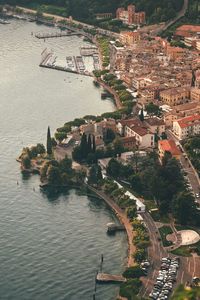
x,y
189,266
155,252
181,13
194,181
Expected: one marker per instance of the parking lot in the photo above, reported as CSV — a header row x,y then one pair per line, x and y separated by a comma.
x,y
165,281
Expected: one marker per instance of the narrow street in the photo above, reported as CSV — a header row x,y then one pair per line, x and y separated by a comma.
x,y
187,166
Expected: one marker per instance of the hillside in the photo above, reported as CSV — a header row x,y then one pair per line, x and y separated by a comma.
x,y
156,10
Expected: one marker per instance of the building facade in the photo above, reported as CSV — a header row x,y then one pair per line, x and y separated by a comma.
x,y
187,127
130,16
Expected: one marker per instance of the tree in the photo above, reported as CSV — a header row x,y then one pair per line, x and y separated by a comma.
x,y
133,272
139,255
92,178
77,154
49,144
153,109
113,168
60,136
53,175
109,136
141,115
84,146
93,144
99,174
26,162
53,142
66,165
184,208
89,144
118,147
40,149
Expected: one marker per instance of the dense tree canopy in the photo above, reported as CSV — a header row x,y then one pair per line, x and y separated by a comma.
x,y
156,10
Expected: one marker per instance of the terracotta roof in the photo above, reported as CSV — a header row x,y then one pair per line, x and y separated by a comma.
x,y
130,122
154,121
189,121
140,130
192,28
170,146
186,106
127,139
175,91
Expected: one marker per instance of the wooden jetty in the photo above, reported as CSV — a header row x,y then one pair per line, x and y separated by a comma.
x,y
108,278
55,34
112,228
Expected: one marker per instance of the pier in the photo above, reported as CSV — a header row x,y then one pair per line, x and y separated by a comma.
x,y
88,51
112,228
108,278
55,34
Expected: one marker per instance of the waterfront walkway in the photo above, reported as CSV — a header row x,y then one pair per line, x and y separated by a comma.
x,y
123,219
111,91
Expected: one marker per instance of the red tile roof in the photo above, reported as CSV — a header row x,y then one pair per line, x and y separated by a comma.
x,y
189,121
170,146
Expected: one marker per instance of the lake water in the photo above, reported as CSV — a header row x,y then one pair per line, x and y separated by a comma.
x,y
50,246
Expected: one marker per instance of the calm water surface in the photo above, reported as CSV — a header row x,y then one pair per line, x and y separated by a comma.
x,y
49,245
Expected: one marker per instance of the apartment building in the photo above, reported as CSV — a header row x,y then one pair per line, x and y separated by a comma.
x,y
186,127
175,96
130,16
181,111
144,138
130,37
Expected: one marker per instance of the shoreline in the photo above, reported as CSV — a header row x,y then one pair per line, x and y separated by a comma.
x,y
117,101
123,220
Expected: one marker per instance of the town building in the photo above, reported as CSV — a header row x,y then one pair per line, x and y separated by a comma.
x,y
130,16
155,125
187,31
187,127
128,142
144,138
175,96
101,16
181,111
195,94
130,37
168,146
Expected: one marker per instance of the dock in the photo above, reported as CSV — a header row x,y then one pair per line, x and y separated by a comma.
x,y
55,34
108,278
88,50
112,228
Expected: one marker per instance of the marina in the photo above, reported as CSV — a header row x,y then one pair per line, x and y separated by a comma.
x,y
73,64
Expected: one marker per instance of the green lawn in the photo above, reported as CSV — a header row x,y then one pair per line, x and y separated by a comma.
x,y
182,251
164,231
186,250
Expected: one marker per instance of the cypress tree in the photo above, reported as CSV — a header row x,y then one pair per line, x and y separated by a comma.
x,y
84,146
49,143
89,144
99,173
93,144
141,115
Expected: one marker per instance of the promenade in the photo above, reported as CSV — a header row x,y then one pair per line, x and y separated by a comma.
x,y
123,220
